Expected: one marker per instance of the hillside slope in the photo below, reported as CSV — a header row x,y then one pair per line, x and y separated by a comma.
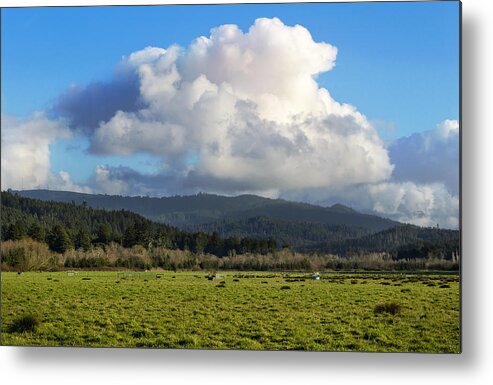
x,y
186,211
83,226
22,216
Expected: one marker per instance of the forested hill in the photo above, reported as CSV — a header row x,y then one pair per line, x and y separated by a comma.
x,y
299,236
188,211
401,242
80,226
69,225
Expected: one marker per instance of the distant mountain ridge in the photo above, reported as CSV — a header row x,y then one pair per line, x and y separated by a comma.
x,y
203,220
189,211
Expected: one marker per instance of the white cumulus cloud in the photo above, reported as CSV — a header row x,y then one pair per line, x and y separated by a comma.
x,y
248,108
423,188
26,153
429,156
419,204
108,183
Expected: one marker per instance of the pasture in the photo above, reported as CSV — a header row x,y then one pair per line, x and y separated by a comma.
x,y
261,311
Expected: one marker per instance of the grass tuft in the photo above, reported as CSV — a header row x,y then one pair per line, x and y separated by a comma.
x,y
25,324
390,308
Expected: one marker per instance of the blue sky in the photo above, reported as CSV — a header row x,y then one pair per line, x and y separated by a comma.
x,y
397,63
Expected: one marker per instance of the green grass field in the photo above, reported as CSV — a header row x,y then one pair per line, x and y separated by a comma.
x,y
273,311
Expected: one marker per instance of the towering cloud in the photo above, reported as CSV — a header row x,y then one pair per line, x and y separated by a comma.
x,y
247,108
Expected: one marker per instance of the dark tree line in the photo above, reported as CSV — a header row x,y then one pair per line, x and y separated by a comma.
x,y
68,225
401,242
296,235
63,226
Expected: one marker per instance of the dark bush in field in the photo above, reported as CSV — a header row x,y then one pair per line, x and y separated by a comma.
x,y
142,333
86,262
134,262
26,324
285,287
390,308
370,336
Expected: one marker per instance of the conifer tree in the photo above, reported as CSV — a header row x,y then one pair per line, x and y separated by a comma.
x,y
58,240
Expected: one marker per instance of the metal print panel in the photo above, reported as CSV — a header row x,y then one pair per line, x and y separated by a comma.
x,y
256,176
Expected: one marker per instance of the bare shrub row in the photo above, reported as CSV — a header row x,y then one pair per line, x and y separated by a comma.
x,y
27,254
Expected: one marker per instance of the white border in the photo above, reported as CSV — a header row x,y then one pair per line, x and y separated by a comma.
x,y
30,3
125,366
